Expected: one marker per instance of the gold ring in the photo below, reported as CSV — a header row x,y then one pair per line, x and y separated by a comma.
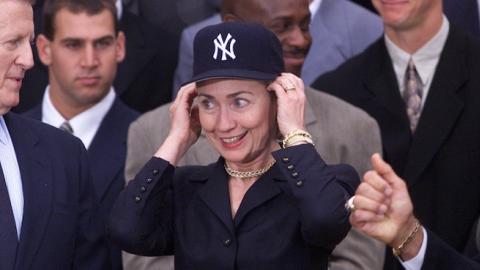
x,y
350,206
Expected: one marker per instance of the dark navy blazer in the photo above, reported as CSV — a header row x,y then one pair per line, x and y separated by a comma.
x,y
58,231
440,256
290,218
107,154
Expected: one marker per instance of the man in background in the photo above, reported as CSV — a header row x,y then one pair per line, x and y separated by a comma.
x,y
81,46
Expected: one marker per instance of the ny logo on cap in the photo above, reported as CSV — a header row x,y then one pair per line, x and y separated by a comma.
x,y
222,45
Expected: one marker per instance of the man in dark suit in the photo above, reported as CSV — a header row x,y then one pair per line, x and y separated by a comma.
x,y
383,210
145,76
46,195
81,53
420,82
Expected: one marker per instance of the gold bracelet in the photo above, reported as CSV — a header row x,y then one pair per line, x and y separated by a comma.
x,y
296,132
401,248
296,139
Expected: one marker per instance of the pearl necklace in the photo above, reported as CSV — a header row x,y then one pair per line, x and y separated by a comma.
x,y
247,174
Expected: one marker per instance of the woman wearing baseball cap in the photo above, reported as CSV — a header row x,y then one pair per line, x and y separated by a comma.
x,y
270,201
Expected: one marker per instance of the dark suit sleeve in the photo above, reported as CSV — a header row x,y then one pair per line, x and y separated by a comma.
x,y
440,256
320,191
141,221
90,249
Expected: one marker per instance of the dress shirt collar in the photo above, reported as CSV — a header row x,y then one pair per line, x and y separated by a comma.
x,y
119,6
314,6
85,124
425,59
3,131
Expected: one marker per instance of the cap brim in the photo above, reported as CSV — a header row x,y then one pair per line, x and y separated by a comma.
x,y
234,74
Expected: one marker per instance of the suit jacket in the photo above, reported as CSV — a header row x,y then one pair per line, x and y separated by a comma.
x,y
463,14
440,256
58,228
334,39
440,162
143,79
341,132
288,219
107,154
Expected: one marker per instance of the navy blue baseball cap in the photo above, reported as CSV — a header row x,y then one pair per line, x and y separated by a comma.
x,y
236,50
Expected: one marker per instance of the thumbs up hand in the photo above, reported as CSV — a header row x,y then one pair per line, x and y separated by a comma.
x,y
383,208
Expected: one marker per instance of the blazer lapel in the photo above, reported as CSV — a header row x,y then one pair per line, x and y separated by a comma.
x,y
36,173
382,83
215,194
107,151
261,191
442,107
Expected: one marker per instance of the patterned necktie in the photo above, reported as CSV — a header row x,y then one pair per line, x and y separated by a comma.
x,y
413,95
65,126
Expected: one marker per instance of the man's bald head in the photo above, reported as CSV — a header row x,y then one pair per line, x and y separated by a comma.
x,y
288,19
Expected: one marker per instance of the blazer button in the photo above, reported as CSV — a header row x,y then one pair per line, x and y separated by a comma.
x,y
227,242
138,199
295,174
143,189
299,183
149,180
291,167
155,172
285,160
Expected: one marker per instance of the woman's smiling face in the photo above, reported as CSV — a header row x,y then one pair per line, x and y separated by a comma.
x,y
238,117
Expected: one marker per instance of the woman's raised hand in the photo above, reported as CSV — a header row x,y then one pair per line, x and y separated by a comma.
x,y
184,127
290,93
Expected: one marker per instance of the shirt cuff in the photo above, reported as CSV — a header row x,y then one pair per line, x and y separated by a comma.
x,y
416,262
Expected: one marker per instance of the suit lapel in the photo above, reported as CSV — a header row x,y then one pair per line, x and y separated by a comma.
x,y
215,194
382,83
36,173
442,107
108,150
261,191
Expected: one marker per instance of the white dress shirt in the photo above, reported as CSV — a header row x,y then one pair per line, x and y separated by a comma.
x,y
416,262
425,59
314,6
85,124
119,6
11,171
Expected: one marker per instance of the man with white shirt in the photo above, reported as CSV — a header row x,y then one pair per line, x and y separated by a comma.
x,y
81,47
47,201
144,77
420,82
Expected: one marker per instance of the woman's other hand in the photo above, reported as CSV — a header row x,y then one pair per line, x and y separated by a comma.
x,y
290,93
184,128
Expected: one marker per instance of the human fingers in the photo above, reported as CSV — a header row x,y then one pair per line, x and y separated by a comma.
x,y
367,204
383,168
360,217
377,182
367,190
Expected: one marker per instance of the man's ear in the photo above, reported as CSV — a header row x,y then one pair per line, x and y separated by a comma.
x,y
121,51
44,49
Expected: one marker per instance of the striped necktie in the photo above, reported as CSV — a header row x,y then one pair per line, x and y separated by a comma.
x,y
8,230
